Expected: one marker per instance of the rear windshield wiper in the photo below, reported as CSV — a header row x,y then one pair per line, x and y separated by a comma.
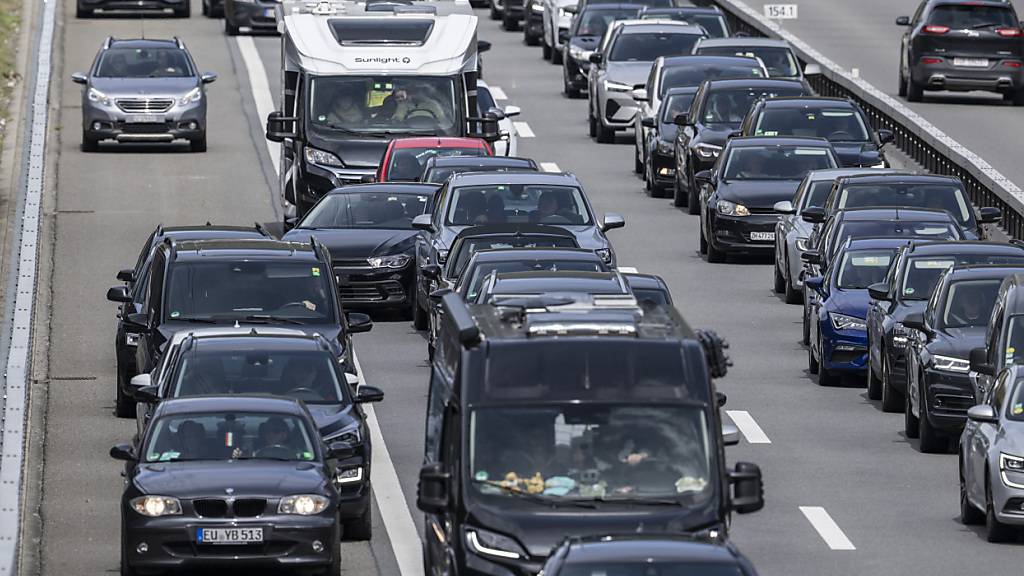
x,y
984,25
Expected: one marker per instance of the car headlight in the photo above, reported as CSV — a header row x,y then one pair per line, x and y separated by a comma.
x,y
98,97
727,208
605,254
562,13
303,504
442,256
194,95
537,8
844,322
951,364
349,475
322,158
131,339
707,151
1010,463
617,86
666,147
393,261
802,244
577,53
350,435
487,543
156,506
899,336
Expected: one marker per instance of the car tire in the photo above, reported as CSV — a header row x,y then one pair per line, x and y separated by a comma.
x,y
930,440
495,15
229,28
509,24
892,401
969,514
1017,98
703,240
828,377
89,144
604,135
874,381
420,320
124,405
806,335
691,193
570,92
545,51
715,256
199,144
82,12
591,124
812,362
556,57
911,423
530,39
779,281
793,296
638,164
679,197
184,12
995,531
359,529
915,92
205,8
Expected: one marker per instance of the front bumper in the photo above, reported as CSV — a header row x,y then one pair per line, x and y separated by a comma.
x,y
619,110
361,286
945,76
108,122
314,181
948,395
478,566
663,166
533,26
575,71
732,233
843,350
254,15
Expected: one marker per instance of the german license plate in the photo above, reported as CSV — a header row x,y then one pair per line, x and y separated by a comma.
x,y
144,119
762,236
971,62
229,535
268,13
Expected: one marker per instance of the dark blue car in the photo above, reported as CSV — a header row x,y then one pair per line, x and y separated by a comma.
x,y
839,339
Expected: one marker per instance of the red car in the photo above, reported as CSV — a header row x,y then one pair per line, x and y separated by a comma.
x,y
405,157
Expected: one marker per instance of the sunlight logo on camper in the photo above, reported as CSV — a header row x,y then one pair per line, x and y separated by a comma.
x,y
383,60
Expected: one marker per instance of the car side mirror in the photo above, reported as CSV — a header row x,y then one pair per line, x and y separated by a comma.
x,y
612,221
640,94
885,136
483,45
367,394
340,450
119,294
784,207
879,291
126,275
596,58
440,293
747,488
358,322
990,215
280,127
703,177
813,214
720,399
423,222
682,119
903,20
812,70
730,435
915,321
811,257
208,78
511,111
735,133
983,413
123,452
79,78
816,283
138,319
146,394
431,271
979,362
141,381
648,122
432,492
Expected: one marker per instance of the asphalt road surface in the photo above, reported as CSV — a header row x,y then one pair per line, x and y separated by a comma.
x,y
846,492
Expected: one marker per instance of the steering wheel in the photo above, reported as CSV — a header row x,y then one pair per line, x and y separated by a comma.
x,y
555,219
840,135
274,451
292,304
304,393
420,111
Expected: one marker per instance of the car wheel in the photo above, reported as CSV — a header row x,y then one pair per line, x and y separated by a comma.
x,y
359,529
638,164
199,144
931,440
892,401
495,15
779,284
812,362
995,531
691,191
910,422
969,514
604,135
1017,98
530,39
679,197
703,240
591,123
556,56
83,12
874,381
509,24
915,92
420,320
793,296
124,405
715,255
545,51
185,11
229,28
205,8
89,144
902,89
570,92
828,377
806,335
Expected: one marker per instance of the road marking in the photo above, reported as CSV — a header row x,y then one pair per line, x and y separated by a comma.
x,y
260,91
523,129
549,167
497,93
827,528
748,427
387,491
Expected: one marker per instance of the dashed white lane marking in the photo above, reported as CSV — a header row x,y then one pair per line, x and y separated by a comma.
x,y
549,167
748,427
827,528
497,93
523,129
387,490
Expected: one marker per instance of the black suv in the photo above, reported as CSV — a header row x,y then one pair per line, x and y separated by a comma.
x,y
962,45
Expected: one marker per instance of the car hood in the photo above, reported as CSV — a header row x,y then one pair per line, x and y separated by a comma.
x,y
352,243
243,477
587,236
852,154
354,151
331,418
957,342
330,332
762,194
630,73
850,302
143,87
908,307
717,136
667,131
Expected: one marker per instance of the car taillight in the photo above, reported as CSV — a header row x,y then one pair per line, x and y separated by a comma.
x,y
1012,63
1008,32
936,29
931,61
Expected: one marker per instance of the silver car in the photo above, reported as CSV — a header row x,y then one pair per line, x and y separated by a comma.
x,y
143,91
992,460
557,21
792,232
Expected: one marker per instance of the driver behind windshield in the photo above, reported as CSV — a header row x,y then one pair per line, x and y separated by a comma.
x,y
412,99
346,109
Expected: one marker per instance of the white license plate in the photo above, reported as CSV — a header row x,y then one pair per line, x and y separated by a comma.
x,y
268,13
144,119
229,535
971,62
766,236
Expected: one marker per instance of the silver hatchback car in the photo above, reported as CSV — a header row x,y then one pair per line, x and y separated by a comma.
x,y
143,91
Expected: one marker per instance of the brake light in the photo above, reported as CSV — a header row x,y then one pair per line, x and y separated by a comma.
x,y
931,60
936,29
1008,32
1012,63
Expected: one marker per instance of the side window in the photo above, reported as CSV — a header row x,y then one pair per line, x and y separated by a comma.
x,y
652,82
156,285
436,401
996,338
439,203
698,104
999,392
146,249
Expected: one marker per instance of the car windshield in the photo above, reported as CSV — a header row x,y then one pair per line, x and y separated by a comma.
x,y
775,162
588,451
1015,342
387,210
407,163
306,375
862,268
836,124
921,274
478,273
595,22
729,106
713,24
437,175
970,302
941,230
1015,409
652,568
144,63
466,248
675,104
946,197
517,204
778,61
972,17
249,290
228,436
683,75
647,46
817,193
384,105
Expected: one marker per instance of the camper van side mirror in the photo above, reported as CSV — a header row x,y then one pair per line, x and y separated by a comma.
x,y
279,127
747,488
432,493
483,45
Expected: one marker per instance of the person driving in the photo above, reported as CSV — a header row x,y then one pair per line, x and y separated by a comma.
x,y
306,374
273,435
547,207
345,109
968,309
412,99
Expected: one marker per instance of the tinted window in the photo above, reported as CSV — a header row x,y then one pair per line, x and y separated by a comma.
x,y
817,193
778,61
674,105
681,76
922,273
940,230
731,106
367,210
517,203
712,24
959,17
775,162
836,124
144,63
395,104
407,163
379,31
439,175
970,302
937,196
223,436
595,22
861,269
645,47
655,568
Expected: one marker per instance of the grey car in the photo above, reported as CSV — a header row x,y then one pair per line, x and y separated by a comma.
x,y
992,459
253,15
792,231
143,90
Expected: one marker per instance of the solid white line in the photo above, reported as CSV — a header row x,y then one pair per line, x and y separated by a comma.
x,y
748,426
549,167
827,528
523,129
261,92
497,93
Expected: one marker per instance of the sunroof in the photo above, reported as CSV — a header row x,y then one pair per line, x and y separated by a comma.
x,y
349,31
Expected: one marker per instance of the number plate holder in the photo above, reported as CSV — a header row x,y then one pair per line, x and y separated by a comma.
x,y
227,535
144,119
762,236
971,62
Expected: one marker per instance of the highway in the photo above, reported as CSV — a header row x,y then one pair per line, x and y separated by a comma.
x,y
846,492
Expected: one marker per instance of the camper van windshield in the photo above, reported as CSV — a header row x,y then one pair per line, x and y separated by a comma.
x,y
384,105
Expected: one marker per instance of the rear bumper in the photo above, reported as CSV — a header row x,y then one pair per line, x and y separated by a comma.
x,y
997,77
257,16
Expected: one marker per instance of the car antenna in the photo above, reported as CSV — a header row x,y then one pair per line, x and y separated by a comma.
x,y
142,24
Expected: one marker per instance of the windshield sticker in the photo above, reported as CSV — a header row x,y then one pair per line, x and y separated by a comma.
x,y
909,290
870,260
482,475
836,113
307,455
321,118
932,264
316,272
175,314
559,485
810,152
1018,409
166,456
690,484
229,439
1010,351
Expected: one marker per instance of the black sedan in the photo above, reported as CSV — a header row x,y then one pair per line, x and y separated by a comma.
x,y
588,27
368,230
646,555
230,482
738,196
659,151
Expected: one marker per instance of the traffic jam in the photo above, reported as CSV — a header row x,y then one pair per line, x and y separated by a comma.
x,y
574,422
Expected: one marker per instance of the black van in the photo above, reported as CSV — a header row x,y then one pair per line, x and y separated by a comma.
x,y
558,416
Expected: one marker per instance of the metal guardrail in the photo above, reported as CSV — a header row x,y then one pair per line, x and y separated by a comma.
x,y
915,136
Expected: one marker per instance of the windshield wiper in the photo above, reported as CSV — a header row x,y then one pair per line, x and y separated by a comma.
x,y
539,499
984,25
193,319
270,318
341,128
631,500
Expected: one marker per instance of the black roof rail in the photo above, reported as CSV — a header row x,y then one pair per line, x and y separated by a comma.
x,y
172,246
159,230
259,228
458,313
